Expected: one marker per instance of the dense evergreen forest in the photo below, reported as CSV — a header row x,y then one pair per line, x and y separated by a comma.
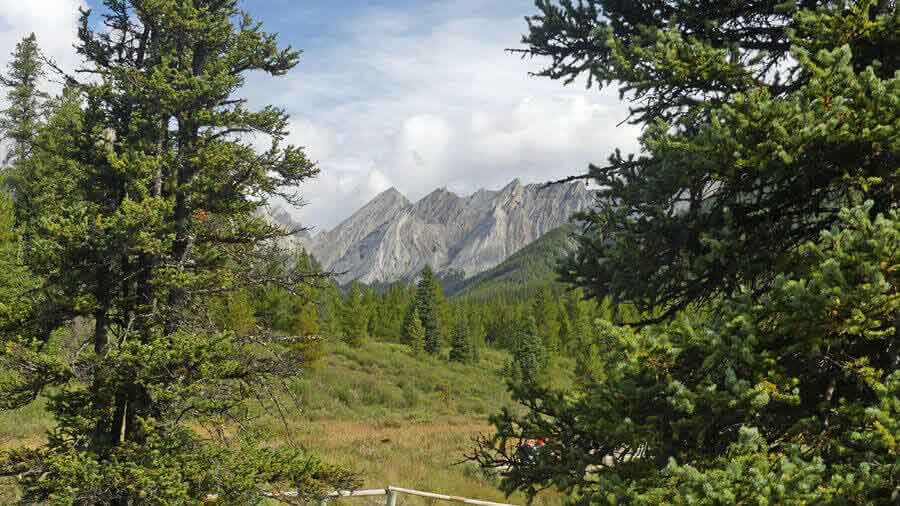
x,y
497,311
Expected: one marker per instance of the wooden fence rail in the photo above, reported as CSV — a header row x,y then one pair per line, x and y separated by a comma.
x,y
391,494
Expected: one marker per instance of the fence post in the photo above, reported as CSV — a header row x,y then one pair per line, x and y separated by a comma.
x,y
391,496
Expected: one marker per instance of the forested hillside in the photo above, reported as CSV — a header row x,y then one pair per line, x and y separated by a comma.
x,y
529,270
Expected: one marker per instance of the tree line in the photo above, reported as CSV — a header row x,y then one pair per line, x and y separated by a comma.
x,y
420,315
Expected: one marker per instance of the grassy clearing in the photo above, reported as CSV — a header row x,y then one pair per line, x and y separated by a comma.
x,y
393,418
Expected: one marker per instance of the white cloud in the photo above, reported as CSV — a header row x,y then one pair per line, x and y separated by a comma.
x,y
55,22
432,99
419,98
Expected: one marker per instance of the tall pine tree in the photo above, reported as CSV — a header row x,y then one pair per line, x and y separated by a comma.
x,y
530,356
20,121
426,309
140,205
356,315
415,334
460,342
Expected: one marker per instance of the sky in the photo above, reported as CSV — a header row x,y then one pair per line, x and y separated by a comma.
x,y
411,94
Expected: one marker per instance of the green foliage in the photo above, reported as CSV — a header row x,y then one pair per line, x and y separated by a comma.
x,y
415,333
751,144
15,280
461,349
330,310
179,468
530,356
547,309
799,385
765,365
392,311
289,310
427,310
356,315
477,334
20,121
137,210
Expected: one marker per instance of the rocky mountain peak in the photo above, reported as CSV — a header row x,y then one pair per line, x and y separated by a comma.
x,y
513,186
390,238
389,198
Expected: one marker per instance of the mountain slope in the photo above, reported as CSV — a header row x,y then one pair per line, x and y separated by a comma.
x,y
534,266
392,239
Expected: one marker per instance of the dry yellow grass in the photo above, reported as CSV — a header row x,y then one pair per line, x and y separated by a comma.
x,y
409,429
424,456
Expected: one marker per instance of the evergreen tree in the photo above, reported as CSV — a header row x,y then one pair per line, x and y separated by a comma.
x,y
443,313
289,310
235,311
478,335
142,204
356,315
726,185
20,121
16,282
415,334
426,309
766,369
546,310
408,318
330,308
530,357
588,356
461,344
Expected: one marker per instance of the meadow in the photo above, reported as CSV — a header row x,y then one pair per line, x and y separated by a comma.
x,y
394,418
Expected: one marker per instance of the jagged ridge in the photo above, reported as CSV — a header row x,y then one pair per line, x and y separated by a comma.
x,y
391,238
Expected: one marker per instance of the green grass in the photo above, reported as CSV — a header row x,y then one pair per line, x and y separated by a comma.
x,y
382,382
394,418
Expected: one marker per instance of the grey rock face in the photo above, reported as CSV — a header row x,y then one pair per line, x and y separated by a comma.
x,y
391,239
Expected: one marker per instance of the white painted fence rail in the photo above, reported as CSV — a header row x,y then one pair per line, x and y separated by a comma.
x,y
391,494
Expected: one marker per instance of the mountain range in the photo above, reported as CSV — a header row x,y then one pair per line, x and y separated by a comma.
x,y
392,238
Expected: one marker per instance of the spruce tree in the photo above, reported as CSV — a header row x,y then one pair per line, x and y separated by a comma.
x,y
330,308
478,335
427,311
443,313
141,204
530,357
546,310
730,98
757,236
415,334
407,319
20,121
460,343
16,282
356,315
